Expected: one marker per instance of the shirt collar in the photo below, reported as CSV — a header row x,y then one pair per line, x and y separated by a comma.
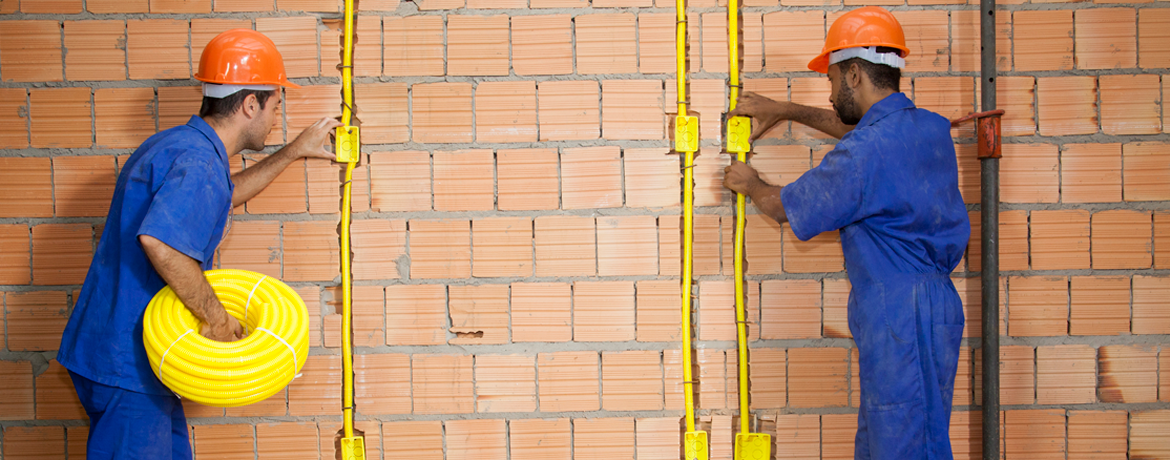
x,y
197,122
892,103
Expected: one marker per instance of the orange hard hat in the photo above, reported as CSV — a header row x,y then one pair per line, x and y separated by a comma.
x,y
242,57
863,27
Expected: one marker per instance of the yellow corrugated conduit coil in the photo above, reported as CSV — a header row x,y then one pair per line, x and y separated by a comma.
x,y
229,374
686,142
748,446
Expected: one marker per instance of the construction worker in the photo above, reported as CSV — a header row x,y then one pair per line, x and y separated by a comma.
x,y
891,188
173,198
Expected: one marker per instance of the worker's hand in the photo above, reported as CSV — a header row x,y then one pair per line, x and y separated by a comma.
x,y
741,178
227,329
765,112
314,141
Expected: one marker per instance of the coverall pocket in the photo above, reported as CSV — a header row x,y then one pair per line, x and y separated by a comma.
x,y
896,432
947,338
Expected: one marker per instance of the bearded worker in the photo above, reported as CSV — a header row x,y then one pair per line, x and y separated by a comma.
x,y
172,200
891,188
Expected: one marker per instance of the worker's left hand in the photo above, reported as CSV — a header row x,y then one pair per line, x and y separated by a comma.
x,y
740,178
314,141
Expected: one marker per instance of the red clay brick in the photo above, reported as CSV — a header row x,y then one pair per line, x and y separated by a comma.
x,y
157,49
631,380
565,246
790,51
384,112
26,187
714,42
541,312
13,118
307,104
712,393
16,387
1129,104
1164,377
1154,35
817,377
1122,239
413,46
591,177
539,439
1016,95
181,6
1147,434
30,51
83,186
951,97
378,246
606,43
651,175
822,253
1099,305
569,110
1060,239
1150,312
527,179
656,47
1037,306
965,38
836,297
124,117
56,398
1097,434
428,5
418,314
367,53
176,105
1144,172
926,36
1017,375
502,247
1034,434
1129,374
400,181
61,117
422,440
967,434
98,50
542,45
1106,38
35,320
440,249
15,250
310,251
717,309
479,314
505,383
1161,239
837,434
658,438
657,315
286,440
768,375
232,6
463,180
603,311
442,113
790,309
442,384
505,111
568,381
477,45
632,110
1043,40
34,442
224,441
296,38
1068,105
627,245
61,253
1090,173
1066,374
1013,241
708,174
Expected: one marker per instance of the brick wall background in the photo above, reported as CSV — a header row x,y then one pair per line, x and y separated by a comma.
x,y
517,222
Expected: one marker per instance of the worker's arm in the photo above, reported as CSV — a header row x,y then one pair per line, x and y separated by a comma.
x,y
741,178
185,277
767,113
313,142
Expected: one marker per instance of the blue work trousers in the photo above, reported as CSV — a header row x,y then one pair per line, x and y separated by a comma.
x,y
127,425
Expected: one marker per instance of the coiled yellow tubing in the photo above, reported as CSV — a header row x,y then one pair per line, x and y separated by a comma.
x,y
229,374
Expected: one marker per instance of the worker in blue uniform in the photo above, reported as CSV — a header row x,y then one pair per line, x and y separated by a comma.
x,y
172,200
891,188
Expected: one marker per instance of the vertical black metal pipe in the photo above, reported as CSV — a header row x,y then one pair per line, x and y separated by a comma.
x,y
989,205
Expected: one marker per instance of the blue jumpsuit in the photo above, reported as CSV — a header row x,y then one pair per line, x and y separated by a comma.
x,y
891,188
177,188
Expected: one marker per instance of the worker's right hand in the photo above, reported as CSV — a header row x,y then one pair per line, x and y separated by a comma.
x,y
227,329
765,112
314,141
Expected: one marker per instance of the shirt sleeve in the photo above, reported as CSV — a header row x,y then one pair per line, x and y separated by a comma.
x,y
187,211
827,197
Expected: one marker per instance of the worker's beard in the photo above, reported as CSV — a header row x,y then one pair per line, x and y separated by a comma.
x,y
846,106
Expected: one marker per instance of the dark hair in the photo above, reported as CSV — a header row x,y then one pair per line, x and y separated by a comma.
x,y
225,107
882,76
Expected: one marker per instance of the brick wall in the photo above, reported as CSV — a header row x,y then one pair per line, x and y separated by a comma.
x,y
517,222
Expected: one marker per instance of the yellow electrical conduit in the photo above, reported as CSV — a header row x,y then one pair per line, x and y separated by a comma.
x,y
748,446
229,374
686,142
348,148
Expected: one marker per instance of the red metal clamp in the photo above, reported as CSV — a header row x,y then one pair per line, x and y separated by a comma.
x,y
987,130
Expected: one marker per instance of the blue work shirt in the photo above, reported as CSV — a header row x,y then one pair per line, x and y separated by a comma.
x,y
177,188
891,188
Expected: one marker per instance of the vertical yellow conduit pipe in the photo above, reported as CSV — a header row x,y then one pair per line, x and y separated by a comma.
x,y
686,142
347,149
748,446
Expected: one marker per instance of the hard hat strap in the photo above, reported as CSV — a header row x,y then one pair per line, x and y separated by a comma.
x,y
870,54
217,91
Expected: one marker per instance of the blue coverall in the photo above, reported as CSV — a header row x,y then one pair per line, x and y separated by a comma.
x,y
891,187
177,188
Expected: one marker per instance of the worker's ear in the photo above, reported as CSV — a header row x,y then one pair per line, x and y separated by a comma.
x,y
250,107
852,76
